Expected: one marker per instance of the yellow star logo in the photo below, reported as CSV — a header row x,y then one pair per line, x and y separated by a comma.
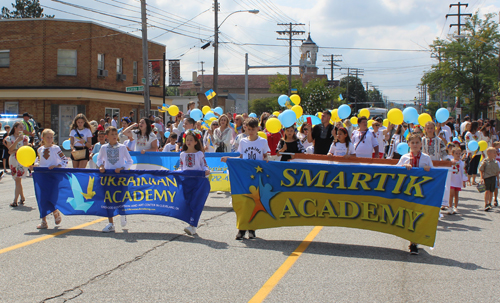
x,y
258,169
252,176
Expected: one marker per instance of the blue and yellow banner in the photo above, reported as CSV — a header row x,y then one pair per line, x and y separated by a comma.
x,y
219,180
387,199
176,194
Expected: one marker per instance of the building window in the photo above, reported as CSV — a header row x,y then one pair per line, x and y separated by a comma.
x,y
100,61
11,107
4,58
119,66
113,111
134,77
66,62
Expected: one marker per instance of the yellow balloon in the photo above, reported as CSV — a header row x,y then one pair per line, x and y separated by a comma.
x,y
297,109
320,115
335,115
173,110
273,125
370,122
276,113
386,122
262,135
395,116
365,112
295,99
205,109
424,118
483,145
354,121
26,156
213,119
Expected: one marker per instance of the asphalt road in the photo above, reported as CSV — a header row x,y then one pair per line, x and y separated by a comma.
x,y
152,260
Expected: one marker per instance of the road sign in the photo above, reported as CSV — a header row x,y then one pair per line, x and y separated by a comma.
x,y
132,89
143,80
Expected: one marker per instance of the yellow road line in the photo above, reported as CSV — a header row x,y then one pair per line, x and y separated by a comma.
x,y
285,267
46,237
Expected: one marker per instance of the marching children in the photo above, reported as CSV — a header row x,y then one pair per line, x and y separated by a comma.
x,y
80,141
457,180
50,156
289,144
343,146
254,148
16,140
114,156
170,146
415,158
433,145
101,138
193,158
489,171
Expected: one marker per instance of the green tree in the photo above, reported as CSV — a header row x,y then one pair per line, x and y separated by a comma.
x,y
432,107
260,106
172,91
24,9
374,98
469,64
356,94
315,96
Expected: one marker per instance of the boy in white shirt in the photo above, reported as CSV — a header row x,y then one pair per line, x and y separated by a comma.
x,y
113,156
415,158
252,147
170,146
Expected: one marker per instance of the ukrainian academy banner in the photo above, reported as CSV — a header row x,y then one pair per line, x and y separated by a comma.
x,y
176,194
387,199
219,180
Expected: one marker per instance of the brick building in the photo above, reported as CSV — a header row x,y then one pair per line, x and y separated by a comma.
x,y
55,69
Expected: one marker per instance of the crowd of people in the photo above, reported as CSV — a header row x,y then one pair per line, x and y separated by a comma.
x,y
112,140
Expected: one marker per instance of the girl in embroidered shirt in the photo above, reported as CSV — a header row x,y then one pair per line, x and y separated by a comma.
x,y
192,157
14,141
50,156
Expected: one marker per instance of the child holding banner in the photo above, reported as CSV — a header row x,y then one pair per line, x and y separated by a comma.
x,y
415,158
255,148
114,156
343,147
170,146
193,158
50,155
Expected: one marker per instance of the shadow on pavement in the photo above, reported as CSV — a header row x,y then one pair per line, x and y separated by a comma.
x,y
364,252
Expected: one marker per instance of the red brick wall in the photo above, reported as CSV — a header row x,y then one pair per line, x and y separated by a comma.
x,y
33,46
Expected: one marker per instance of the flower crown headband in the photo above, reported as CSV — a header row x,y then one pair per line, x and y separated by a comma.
x,y
193,132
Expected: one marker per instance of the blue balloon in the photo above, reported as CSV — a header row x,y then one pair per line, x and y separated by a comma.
x,y
410,115
253,115
473,145
218,110
288,118
442,115
209,115
94,157
196,114
66,145
283,99
402,148
167,134
344,111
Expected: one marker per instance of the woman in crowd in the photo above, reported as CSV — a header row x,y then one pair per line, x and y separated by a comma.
x,y
223,136
397,138
208,140
142,134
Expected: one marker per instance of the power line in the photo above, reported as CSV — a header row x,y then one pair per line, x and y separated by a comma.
x,y
290,32
331,62
459,15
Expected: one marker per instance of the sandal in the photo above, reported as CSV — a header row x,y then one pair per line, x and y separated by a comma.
x,y
57,217
496,203
22,201
14,204
42,225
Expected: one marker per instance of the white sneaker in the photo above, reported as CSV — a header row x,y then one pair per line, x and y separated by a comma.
x,y
123,220
450,211
220,192
455,210
190,230
109,228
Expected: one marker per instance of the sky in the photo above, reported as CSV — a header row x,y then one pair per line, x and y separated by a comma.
x,y
365,32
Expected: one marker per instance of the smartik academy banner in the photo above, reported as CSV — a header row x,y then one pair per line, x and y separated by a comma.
x,y
219,180
387,199
88,192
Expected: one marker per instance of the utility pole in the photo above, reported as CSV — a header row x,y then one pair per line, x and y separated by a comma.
x,y
216,52
202,70
331,62
145,63
367,85
353,71
459,15
290,32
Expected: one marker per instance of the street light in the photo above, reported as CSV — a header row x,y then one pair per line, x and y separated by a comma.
x,y
216,44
